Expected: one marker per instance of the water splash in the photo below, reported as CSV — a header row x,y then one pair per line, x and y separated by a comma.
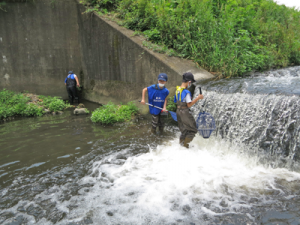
x,y
213,182
264,123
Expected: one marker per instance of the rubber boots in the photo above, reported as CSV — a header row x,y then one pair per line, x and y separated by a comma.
x,y
161,130
186,142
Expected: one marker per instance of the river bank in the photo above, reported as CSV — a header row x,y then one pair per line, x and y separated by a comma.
x,y
13,104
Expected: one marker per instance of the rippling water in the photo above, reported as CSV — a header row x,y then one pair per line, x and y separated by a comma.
x,y
67,170
284,81
128,182
139,178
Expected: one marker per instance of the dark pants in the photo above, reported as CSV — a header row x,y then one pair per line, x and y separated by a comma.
x,y
186,123
72,93
157,121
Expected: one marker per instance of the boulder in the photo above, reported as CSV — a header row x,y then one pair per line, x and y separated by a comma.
x,y
47,111
80,111
81,106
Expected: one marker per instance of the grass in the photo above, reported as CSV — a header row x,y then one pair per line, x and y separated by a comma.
x,y
18,104
111,113
227,37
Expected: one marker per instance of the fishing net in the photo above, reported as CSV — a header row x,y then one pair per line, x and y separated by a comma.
x,y
205,124
174,115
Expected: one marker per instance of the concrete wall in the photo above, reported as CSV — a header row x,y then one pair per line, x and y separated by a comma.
x,y
117,65
38,45
42,40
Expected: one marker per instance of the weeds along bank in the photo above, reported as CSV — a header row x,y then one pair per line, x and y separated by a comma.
x,y
25,104
229,37
112,113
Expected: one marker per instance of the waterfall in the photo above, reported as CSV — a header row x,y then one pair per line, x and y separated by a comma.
x,y
261,112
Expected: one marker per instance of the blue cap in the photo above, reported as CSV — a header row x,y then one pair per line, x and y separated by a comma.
x,y
70,72
162,76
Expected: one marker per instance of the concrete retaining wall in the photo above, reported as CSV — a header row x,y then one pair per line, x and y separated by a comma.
x,y
117,65
41,41
38,45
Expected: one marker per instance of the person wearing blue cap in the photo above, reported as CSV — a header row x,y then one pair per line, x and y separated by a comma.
x,y
157,95
70,83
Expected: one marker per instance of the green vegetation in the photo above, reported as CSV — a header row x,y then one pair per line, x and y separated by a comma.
x,y
228,37
171,105
54,104
2,6
111,113
17,104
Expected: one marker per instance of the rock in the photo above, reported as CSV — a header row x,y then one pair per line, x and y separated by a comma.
x,y
46,110
80,106
60,112
81,111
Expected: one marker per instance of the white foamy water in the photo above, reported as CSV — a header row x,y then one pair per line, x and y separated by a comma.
x,y
172,184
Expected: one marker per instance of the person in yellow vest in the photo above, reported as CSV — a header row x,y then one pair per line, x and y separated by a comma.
x,y
183,98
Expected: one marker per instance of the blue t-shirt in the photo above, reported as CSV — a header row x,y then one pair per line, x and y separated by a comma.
x,y
184,94
157,97
72,76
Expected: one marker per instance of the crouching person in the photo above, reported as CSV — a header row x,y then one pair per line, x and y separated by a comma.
x,y
183,98
71,81
157,95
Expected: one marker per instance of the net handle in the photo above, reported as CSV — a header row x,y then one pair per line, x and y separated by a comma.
x,y
173,114
202,102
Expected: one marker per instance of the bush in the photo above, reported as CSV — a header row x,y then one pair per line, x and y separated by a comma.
x,y
57,105
111,113
12,104
230,37
54,104
33,110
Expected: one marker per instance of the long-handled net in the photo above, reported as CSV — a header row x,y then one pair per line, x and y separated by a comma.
x,y
173,114
205,123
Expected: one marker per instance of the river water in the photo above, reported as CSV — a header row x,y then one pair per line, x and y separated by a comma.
x,y
64,169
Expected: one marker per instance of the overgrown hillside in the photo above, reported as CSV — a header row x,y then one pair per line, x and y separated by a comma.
x,y
230,37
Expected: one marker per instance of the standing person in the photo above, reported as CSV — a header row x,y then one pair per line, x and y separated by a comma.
x,y
157,95
70,83
183,98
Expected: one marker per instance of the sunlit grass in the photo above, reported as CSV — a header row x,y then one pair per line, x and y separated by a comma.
x,y
229,37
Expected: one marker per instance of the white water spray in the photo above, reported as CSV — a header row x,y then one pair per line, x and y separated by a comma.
x,y
171,183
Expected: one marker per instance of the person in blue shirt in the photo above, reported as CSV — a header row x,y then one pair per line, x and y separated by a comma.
x,y
70,82
183,98
157,96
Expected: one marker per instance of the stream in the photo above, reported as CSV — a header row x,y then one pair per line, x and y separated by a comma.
x,y
64,169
